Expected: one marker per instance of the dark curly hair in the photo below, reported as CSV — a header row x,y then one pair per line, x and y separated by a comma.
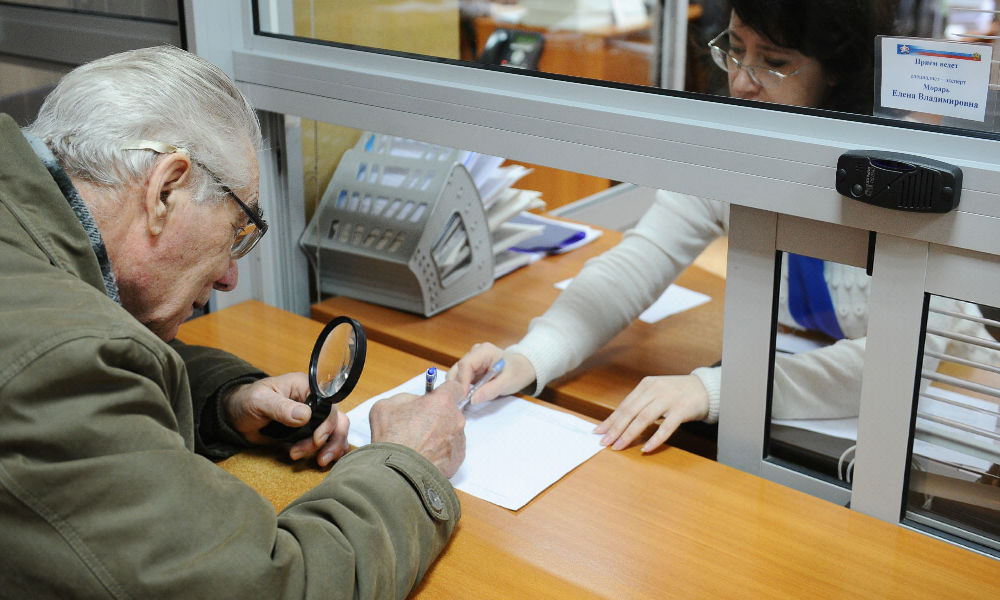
x,y
840,34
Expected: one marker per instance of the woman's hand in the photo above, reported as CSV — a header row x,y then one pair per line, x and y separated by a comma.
x,y
517,372
675,398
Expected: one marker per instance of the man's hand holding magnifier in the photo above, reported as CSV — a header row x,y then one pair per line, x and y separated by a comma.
x,y
282,399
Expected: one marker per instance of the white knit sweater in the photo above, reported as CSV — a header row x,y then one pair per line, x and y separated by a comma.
x,y
824,383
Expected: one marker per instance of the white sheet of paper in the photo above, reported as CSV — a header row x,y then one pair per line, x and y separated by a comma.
x,y
673,300
629,13
514,448
509,261
793,344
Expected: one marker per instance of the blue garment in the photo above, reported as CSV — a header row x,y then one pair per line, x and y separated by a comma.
x,y
809,297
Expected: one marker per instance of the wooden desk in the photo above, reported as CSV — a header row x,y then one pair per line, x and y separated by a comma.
x,y
674,346
623,525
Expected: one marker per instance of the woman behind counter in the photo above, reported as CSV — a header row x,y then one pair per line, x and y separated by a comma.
x,y
817,54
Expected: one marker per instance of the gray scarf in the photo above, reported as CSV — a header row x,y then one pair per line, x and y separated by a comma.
x,y
80,209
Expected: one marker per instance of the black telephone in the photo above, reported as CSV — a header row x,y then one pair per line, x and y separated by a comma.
x,y
513,48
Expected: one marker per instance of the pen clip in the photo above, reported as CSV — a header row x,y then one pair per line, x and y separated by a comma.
x,y
430,379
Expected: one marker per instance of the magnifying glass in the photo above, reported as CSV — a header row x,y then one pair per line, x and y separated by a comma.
x,y
334,369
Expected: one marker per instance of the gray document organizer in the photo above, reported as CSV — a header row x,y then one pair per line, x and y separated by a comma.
x,y
409,233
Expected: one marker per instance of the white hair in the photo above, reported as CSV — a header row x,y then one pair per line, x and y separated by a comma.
x,y
163,94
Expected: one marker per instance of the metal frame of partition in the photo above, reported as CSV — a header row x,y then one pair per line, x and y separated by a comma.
x,y
73,38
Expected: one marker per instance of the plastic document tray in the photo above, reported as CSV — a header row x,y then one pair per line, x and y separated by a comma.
x,y
409,233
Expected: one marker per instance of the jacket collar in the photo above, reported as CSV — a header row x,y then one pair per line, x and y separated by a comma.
x,y
81,211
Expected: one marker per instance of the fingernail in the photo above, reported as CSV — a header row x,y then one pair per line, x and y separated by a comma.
x,y
295,454
323,439
300,413
605,440
326,458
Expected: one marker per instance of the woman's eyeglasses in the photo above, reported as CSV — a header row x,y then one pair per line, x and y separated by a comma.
x,y
763,76
246,237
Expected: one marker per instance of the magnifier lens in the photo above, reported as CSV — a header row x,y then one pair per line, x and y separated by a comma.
x,y
334,368
336,357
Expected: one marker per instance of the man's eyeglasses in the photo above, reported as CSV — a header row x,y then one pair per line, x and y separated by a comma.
x,y
763,76
247,236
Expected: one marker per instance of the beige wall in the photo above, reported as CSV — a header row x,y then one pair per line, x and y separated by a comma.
x,y
419,26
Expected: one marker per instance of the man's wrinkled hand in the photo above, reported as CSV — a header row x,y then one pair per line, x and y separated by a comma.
x,y
252,406
430,424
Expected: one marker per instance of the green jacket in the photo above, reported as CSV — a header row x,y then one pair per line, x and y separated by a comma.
x,y
102,494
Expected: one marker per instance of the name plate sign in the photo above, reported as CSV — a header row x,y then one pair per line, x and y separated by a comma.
x,y
942,78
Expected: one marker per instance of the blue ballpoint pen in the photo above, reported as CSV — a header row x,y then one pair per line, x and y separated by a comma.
x,y
493,372
430,379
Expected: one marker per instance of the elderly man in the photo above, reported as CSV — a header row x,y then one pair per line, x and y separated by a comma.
x,y
121,208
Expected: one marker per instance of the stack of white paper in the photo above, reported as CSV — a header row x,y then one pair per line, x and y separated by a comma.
x,y
567,14
514,448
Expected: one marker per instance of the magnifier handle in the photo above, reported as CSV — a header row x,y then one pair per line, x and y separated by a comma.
x,y
284,433
287,433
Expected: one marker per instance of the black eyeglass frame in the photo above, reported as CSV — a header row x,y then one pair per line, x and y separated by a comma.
x,y
239,248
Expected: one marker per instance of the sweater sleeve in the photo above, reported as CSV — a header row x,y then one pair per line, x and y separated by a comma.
x,y
615,287
820,384
826,383
711,378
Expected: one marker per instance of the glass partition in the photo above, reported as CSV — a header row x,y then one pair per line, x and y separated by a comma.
x,y
42,40
741,49
24,84
324,143
954,477
578,39
819,331
505,187
722,53
387,223
152,10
